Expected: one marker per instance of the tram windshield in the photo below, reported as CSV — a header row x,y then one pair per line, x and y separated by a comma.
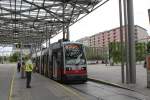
x,y
74,54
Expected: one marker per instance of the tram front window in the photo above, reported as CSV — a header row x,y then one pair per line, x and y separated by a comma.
x,y
74,54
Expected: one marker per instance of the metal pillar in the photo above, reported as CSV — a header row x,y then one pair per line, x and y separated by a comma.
x,y
49,56
21,53
126,41
64,34
36,54
41,57
46,37
3,55
68,33
49,43
31,49
121,40
131,37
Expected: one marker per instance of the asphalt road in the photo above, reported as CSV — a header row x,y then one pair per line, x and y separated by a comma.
x,y
6,74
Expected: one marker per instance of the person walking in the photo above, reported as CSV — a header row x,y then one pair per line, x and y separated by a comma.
x,y
28,70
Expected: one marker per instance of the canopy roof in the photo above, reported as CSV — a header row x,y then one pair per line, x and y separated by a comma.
x,y
33,21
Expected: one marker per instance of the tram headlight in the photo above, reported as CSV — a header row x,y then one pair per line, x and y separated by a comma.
x,y
83,68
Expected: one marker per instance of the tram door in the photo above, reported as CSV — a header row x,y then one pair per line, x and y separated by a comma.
x,y
57,65
54,67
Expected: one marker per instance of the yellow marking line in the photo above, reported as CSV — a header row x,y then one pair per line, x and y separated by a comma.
x,y
11,85
71,91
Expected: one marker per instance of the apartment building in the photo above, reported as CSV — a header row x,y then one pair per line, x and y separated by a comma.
x,y
102,39
85,41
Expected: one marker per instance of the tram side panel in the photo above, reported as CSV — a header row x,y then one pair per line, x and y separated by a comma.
x,y
50,66
57,64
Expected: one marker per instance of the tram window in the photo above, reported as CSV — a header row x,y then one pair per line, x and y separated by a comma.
x,y
74,54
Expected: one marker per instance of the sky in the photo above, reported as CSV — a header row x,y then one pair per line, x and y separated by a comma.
x,y
5,51
106,17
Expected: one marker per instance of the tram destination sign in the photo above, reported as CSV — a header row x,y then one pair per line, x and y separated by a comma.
x,y
73,50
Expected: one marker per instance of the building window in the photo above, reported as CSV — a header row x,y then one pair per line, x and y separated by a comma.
x,y
114,37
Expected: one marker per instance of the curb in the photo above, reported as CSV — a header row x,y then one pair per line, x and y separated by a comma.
x,y
110,84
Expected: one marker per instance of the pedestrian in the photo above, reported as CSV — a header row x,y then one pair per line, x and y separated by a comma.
x,y
145,64
18,65
28,70
23,69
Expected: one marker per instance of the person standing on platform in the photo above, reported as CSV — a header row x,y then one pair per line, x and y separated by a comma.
x,y
18,65
23,69
28,70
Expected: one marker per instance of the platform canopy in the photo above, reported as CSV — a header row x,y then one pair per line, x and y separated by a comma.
x,y
33,21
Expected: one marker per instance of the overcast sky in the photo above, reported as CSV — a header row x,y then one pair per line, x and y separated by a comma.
x,y
106,18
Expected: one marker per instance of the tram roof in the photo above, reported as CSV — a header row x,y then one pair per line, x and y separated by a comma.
x,y
33,21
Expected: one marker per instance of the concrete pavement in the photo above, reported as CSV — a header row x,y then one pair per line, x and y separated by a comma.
x,y
6,73
112,75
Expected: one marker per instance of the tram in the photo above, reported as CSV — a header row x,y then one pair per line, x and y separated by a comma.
x,y
63,61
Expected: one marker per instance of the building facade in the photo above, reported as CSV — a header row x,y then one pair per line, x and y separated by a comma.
x,y
84,40
102,39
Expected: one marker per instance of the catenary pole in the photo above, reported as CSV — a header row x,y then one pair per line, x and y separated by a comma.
x,y
126,41
121,40
64,35
131,37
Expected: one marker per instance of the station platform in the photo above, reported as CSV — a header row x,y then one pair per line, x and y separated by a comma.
x,y
42,88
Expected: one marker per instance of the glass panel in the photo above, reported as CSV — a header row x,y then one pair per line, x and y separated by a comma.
x,y
74,54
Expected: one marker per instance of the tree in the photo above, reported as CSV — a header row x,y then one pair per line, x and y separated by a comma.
x,y
115,52
140,51
96,53
14,57
148,47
